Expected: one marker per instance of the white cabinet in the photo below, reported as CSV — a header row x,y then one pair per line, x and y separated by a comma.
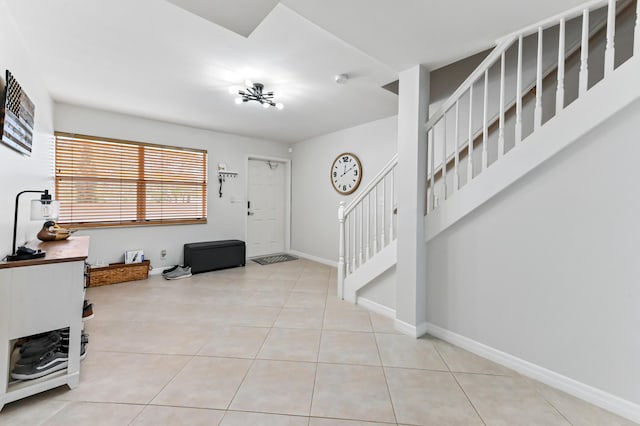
x,y
38,296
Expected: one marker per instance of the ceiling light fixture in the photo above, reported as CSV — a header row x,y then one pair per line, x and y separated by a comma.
x,y
255,92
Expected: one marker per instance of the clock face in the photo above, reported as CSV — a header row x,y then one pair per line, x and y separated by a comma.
x,y
346,173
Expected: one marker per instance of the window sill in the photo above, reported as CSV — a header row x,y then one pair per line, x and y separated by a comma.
x,y
132,224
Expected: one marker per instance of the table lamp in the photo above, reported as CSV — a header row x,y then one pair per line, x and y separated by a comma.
x,y
43,208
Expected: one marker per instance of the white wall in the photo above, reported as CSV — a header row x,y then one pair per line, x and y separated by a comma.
x,y
381,290
19,172
314,201
226,220
548,270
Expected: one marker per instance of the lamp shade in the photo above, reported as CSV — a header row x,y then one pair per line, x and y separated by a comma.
x,y
44,209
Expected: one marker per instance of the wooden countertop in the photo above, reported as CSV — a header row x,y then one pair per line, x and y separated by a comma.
x,y
69,250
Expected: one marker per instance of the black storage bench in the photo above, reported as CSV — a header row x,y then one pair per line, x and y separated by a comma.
x,y
213,255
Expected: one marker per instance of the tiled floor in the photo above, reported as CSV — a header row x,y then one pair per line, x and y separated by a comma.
x,y
272,345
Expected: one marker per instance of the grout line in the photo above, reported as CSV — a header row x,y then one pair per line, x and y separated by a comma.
x,y
384,373
356,421
170,380
458,383
253,361
315,375
468,398
262,412
535,388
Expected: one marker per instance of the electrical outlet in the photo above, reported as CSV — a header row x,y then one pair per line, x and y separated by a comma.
x,y
163,253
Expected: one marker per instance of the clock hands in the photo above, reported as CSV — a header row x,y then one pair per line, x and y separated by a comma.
x,y
347,170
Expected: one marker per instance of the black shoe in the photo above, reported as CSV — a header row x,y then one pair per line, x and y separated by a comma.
x,y
49,363
41,345
87,311
64,348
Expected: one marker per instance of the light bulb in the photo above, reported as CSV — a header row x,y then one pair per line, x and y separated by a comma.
x,y
279,105
265,105
238,101
248,83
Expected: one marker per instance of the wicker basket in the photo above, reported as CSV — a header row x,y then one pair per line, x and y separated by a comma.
x,y
118,273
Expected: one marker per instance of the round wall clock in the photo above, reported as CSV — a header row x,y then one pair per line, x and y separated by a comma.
x,y
346,173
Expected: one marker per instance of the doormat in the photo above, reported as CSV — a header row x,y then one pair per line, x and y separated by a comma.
x,y
276,258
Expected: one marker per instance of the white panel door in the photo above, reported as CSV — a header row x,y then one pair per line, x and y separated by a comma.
x,y
265,208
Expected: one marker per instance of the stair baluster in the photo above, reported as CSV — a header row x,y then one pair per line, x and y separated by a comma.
x,y
367,253
456,140
375,219
636,39
382,214
583,78
609,53
501,119
341,268
391,176
348,245
444,157
353,224
361,232
485,128
537,115
470,140
561,58
431,155
519,93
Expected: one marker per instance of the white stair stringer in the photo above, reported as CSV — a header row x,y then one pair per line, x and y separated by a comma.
x,y
367,272
601,102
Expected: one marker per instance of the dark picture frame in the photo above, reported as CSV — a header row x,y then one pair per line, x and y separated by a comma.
x,y
16,116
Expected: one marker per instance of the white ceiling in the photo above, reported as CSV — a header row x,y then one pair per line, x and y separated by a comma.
x,y
175,60
239,16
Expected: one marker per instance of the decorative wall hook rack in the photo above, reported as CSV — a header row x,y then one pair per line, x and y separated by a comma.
x,y
227,173
223,174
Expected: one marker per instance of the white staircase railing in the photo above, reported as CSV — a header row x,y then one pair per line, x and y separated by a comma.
x,y
367,224
470,118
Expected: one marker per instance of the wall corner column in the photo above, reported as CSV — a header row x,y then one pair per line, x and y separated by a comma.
x,y
411,178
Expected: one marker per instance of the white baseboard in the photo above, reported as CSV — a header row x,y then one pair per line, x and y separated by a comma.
x,y
376,307
314,258
580,390
158,271
410,330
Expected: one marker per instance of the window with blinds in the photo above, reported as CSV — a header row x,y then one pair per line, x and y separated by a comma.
x,y
110,182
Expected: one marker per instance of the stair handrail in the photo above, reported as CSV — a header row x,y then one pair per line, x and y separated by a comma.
x,y
372,184
552,21
501,45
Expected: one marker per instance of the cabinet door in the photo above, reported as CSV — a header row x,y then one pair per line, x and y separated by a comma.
x,y
44,297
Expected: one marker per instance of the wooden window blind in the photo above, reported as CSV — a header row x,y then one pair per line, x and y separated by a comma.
x,y
110,182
